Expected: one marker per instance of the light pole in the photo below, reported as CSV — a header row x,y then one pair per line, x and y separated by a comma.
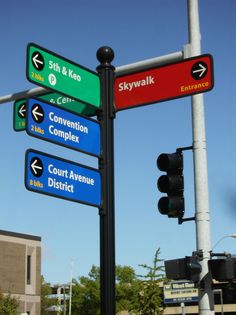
x,y
202,216
222,238
71,284
219,291
64,298
62,294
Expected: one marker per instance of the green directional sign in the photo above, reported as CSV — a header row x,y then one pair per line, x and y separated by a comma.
x,y
69,103
52,71
20,106
19,114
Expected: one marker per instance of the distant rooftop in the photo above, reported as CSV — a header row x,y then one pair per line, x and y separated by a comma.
x,y
20,235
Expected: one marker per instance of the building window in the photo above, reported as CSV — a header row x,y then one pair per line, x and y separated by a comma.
x,y
28,269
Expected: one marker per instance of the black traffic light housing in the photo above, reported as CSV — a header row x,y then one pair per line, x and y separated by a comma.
x,y
223,269
172,183
187,268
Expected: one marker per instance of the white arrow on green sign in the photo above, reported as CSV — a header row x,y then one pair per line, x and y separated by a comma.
x,y
19,114
52,71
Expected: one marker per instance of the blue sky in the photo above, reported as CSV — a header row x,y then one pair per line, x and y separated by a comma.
x,y
136,30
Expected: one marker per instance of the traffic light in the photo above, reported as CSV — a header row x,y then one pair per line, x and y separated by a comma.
x,y
172,183
223,269
187,268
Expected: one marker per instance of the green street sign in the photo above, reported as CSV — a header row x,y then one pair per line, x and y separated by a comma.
x,y
19,112
69,103
52,71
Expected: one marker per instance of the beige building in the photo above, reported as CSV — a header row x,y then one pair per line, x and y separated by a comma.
x,y
20,269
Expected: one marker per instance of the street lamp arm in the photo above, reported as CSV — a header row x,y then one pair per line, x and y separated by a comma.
x,y
231,235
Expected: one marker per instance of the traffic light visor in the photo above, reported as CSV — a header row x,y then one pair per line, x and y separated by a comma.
x,y
171,206
171,184
167,162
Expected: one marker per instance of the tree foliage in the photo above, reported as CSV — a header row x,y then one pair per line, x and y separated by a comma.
x,y
148,298
138,294
8,304
86,294
125,278
46,302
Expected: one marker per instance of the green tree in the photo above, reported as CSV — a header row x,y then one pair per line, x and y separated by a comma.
x,y
8,305
86,294
147,299
138,294
46,302
125,279
125,274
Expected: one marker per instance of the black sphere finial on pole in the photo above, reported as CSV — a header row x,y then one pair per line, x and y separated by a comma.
x,y
105,55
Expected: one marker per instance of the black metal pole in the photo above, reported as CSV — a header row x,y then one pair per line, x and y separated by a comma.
x,y
106,165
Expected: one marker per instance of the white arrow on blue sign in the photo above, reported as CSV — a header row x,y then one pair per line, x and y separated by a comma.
x,y
53,176
51,123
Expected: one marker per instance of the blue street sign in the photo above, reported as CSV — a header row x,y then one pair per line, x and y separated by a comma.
x,y
51,175
51,123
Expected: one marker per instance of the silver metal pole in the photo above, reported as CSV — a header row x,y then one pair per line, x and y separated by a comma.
x,y
148,63
183,308
71,284
219,291
206,298
70,300
23,94
64,304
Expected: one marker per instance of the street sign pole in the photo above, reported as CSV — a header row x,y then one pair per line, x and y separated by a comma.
x,y
105,70
206,298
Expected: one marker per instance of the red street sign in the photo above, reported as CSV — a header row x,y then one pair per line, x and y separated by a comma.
x,y
179,79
